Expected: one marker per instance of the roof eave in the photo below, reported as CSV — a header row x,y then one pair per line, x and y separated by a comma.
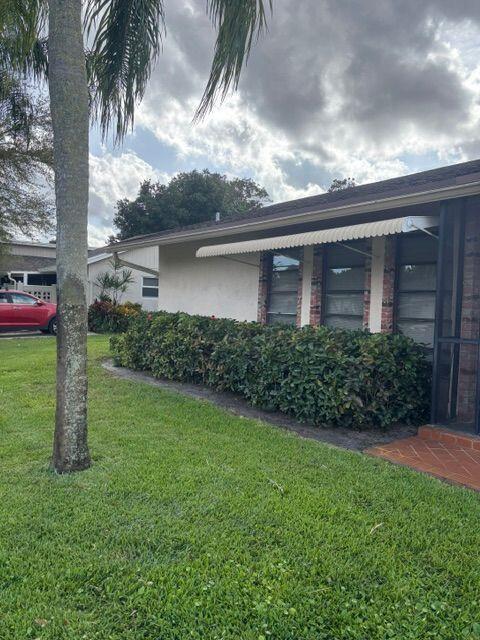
x,y
245,225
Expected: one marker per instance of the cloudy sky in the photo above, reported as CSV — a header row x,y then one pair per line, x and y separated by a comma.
x,y
365,88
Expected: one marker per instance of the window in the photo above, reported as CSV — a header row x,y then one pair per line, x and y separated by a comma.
x,y
416,286
18,277
344,285
21,298
42,279
150,287
282,299
4,298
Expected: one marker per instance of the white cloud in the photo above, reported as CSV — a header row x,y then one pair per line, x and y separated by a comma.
x,y
111,179
334,89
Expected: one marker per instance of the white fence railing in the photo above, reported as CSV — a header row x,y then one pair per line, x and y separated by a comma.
x,y
48,294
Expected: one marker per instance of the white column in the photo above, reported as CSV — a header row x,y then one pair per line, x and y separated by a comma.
x,y
376,286
306,284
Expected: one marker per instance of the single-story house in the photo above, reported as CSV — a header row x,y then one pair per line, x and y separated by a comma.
x,y
400,255
31,265
143,264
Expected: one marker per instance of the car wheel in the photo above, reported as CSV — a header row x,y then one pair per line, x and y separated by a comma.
x,y
52,327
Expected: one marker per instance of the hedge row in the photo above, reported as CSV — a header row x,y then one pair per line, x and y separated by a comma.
x,y
106,317
319,375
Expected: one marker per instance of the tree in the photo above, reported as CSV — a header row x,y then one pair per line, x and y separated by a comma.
x,y
189,198
113,284
26,157
339,184
125,38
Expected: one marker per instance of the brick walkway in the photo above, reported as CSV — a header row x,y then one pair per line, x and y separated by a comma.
x,y
441,453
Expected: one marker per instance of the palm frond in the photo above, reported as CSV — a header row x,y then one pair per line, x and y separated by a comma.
x,y
23,43
239,24
127,36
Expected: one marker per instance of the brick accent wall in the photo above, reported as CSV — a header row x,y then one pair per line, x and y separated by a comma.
x,y
317,283
470,326
368,284
389,285
298,320
263,284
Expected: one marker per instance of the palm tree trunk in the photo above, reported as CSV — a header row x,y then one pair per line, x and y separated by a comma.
x,y
70,118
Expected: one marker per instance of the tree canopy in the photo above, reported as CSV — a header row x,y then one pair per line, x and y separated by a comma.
x,y
189,198
339,184
26,204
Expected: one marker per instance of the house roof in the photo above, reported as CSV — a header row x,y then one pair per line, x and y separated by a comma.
x,y
427,186
14,263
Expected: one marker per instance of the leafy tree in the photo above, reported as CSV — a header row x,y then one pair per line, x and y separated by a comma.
x,y
189,198
125,38
26,157
339,184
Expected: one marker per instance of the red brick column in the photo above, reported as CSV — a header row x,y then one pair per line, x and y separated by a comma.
x,y
263,284
470,326
317,284
388,284
298,320
368,284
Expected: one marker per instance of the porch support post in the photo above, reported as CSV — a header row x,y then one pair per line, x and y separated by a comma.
x,y
388,284
316,293
263,284
376,284
367,286
306,286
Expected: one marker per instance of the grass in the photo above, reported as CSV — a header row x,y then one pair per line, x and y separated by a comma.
x,y
193,523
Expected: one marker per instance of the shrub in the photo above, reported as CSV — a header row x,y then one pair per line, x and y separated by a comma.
x,y
316,374
106,317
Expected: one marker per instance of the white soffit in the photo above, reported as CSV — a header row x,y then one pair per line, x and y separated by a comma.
x,y
338,234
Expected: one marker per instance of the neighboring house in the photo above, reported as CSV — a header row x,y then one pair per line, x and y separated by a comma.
x,y
143,264
32,266
401,255
31,263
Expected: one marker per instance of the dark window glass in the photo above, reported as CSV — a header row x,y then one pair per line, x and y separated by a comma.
x,y
282,299
345,286
149,292
20,298
150,282
416,286
150,287
42,279
4,298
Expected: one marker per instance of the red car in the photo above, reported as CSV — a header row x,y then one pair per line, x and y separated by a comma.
x,y
19,310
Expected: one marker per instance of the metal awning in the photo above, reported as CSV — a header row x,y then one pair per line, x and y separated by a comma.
x,y
338,234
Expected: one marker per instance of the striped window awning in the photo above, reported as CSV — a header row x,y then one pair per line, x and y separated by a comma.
x,y
338,234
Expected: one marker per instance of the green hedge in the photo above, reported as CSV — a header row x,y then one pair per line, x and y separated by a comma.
x,y
106,317
319,375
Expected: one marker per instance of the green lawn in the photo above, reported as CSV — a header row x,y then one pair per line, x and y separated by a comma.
x,y
193,523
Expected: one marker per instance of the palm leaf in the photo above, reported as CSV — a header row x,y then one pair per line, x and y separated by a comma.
x,y
239,24
127,36
23,43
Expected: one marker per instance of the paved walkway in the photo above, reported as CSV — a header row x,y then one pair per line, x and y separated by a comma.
x,y
441,453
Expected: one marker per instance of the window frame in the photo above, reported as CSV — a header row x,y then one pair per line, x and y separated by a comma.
x,y
397,292
324,293
268,313
150,287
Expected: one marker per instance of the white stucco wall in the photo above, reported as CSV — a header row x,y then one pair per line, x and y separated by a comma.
x,y
223,287
146,257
